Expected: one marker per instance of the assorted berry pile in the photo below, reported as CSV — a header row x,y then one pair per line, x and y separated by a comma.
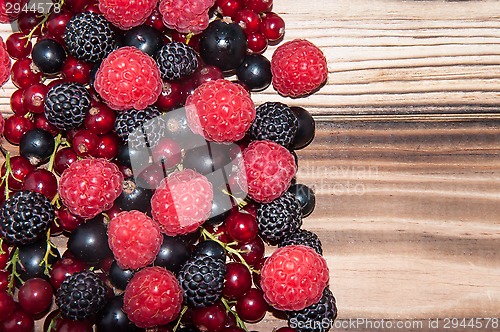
x,y
139,149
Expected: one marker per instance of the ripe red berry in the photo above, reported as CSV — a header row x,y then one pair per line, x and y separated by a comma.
x,y
23,75
6,305
4,280
75,70
4,258
238,281
229,7
170,96
18,46
248,20
253,251
100,119
252,307
242,227
108,146
18,321
257,42
41,181
211,318
20,167
126,14
15,127
167,153
34,96
85,143
35,295
63,159
16,102
259,6
64,268
272,26
41,122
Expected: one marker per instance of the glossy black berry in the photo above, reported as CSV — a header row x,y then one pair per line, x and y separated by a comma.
x,y
210,248
255,72
176,60
89,241
33,262
177,128
48,56
132,158
25,217
119,277
223,45
222,204
305,196
144,37
207,158
37,145
81,295
305,129
134,197
174,252
112,317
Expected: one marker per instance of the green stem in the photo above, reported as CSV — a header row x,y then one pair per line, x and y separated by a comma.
x,y
48,252
13,275
53,322
1,244
52,159
178,323
239,322
240,202
206,234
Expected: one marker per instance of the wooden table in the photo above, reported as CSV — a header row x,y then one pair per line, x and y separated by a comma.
x,y
406,160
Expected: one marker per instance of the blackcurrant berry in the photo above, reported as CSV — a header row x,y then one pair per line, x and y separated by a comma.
x,y
112,317
144,37
305,130
89,241
118,277
305,196
174,252
37,145
255,72
31,262
49,56
223,45
210,248
134,197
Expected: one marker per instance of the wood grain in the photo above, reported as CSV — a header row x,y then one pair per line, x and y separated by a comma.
x,y
406,162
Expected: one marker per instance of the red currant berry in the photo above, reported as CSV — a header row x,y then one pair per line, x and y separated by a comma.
x,y
151,176
229,7
41,181
4,258
41,122
18,46
63,268
108,146
35,295
56,24
207,73
253,251
20,167
15,127
69,325
252,307
167,153
85,143
34,96
75,70
27,22
6,305
100,119
4,280
16,102
238,281
272,26
248,20
211,318
63,159
188,86
155,20
259,6
170,97
23,74
68,221
18,321
114,211
242,227
187,39
257,43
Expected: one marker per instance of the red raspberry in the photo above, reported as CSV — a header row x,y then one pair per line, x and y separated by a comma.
x,y
294,277
89,186
265,171
126,14
182,202
186,15
220,111
134,238
298,67
152,297
4,63
128,78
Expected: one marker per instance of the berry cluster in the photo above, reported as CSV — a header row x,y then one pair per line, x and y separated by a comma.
x,y
158,172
